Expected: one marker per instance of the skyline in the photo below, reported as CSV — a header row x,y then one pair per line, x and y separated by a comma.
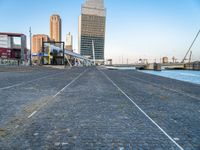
x,y
141,29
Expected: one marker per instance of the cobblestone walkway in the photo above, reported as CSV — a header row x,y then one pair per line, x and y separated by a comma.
x,y
90,108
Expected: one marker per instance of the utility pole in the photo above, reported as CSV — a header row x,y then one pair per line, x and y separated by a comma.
x,y
93,50
30,57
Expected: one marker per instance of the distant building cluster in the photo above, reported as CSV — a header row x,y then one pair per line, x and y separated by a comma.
x,y
55,37
91,38
91,33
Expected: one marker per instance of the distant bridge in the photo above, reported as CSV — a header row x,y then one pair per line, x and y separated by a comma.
x,y
163,65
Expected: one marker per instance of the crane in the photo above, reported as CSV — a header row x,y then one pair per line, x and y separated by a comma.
x,y
189,50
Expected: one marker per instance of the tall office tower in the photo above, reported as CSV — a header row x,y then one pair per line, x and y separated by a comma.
x,y
92,29
69,42
37,46
55,28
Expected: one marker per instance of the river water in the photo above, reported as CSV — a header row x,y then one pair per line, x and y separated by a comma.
x,y
183,75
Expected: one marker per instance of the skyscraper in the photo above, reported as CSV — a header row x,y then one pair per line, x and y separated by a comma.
x,y
55,28
69,42
92,29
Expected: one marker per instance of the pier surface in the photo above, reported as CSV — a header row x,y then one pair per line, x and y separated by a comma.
x,y
96,108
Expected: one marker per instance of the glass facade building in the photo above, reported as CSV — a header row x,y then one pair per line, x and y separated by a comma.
x,y
92,29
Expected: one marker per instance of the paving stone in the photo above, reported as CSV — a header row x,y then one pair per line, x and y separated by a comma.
x,y
93,114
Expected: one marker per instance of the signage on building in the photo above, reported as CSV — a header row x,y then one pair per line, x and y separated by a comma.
x,y
5,53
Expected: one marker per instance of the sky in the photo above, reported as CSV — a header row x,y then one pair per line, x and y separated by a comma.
x,y
135,29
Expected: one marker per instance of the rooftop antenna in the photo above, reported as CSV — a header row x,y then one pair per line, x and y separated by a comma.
x,y
190,47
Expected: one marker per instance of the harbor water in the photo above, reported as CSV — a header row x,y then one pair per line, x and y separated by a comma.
x,y
183,75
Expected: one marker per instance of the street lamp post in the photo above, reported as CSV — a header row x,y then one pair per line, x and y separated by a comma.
x,y
30,57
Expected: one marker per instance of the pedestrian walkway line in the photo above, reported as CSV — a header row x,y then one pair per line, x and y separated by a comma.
x,y
58,93
162,130
32,114
69,84
164,87
23,83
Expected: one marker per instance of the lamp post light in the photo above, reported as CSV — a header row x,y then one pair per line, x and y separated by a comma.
x,y
30,57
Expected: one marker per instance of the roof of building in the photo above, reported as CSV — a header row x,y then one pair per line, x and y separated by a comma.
x,y
11,34
3,48
94,7
40,35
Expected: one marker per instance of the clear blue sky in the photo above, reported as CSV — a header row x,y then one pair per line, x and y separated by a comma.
x,y
135,28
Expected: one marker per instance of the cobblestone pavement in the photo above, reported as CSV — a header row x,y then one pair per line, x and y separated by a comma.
x,y
173,104
90,108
